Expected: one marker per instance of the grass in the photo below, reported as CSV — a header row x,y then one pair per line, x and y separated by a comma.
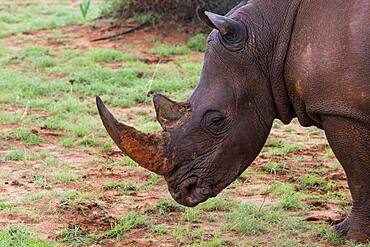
x,y
279,189
292,202
65,177
130,220
124,186
4,206
32,18
18,235
27,136
192,215
276,147
310,181
198,43
165,50
16,155
217,204
75,236
275,167
166,206
9,117
253,220
104,55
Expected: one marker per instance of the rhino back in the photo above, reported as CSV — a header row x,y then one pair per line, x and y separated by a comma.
x,y
328,63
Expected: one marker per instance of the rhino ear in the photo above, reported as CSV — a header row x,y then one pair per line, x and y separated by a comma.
x,y
228,28
168,111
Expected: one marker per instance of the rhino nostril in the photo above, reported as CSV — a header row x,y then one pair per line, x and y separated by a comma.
x,y
188,186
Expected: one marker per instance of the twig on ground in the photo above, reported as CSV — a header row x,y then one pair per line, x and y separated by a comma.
x,y
263,204
133,29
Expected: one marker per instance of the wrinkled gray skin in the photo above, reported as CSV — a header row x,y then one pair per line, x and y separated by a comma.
x,y
271,59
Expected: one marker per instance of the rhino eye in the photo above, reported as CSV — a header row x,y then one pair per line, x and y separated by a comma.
x,y
215,122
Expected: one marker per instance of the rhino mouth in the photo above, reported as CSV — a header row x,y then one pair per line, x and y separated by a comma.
x,y
191,192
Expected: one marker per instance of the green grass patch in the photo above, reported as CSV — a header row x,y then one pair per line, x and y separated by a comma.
x,y
276,147
131,220
218,204
75,236
279,189
154,179
105,55
165,50
310,181
124,186
16,155
192,215
251,219
18,235
198,43
160,229
8,207
165,206
275,167
65,177
292,202
9,117
27,136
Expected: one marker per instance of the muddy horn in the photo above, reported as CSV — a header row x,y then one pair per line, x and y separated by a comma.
x,y
148,150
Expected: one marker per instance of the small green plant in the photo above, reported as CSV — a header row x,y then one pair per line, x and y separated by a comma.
x,y
27,136
281,189
331,186
217,204
18,235
149,18
160,229
329,153
73,235
15,155
292,202
125,186
5,206
65,177
130,220
67,142
127,161
9,118
191,215
247,219
165,50
165,206
153,179
275,167
309,181
105,55
84,8
331,236
198,43
277,147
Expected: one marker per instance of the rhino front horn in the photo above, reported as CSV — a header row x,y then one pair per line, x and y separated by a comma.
x,y
148,150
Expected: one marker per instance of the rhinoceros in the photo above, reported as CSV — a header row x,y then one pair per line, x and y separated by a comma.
x,y
266,60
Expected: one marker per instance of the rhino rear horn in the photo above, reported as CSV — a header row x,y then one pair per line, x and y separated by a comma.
x,y
168,111
148,150
227,26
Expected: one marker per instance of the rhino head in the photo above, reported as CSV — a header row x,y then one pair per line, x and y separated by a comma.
x,y
208,141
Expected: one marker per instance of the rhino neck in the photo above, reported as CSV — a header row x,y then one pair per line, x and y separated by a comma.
x,y
284,108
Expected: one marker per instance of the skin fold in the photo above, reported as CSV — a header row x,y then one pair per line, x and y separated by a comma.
x,y
266,60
